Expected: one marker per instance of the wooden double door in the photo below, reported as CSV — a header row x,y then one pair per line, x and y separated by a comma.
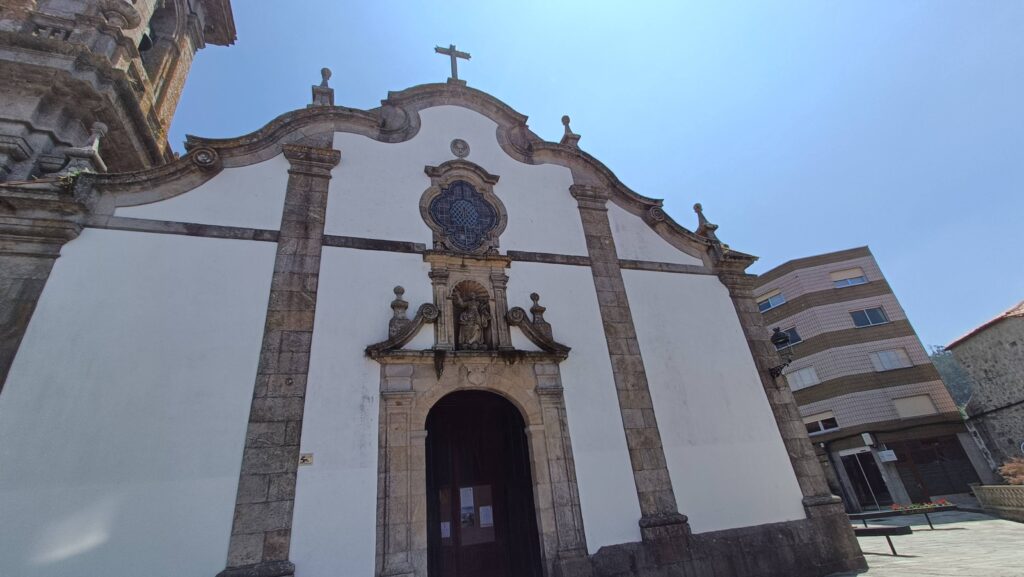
x,y
481,520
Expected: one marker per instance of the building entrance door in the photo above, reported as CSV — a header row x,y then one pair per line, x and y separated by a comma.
x,y
866,480
481,519
933,467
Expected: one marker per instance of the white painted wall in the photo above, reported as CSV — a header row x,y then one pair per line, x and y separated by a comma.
x,y
124,414
375,190
608,498
248,196
725,455
336,498
634,240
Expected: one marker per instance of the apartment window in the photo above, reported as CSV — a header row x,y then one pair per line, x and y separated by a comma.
x,y
915,406
820,423
891,359
794,338
848,277
804,377
869,317
770,300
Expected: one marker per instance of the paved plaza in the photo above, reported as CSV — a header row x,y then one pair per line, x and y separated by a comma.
x,y
962,545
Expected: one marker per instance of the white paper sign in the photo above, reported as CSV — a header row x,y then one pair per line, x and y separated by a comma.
x,y
486,516
446,530
466,497
887,456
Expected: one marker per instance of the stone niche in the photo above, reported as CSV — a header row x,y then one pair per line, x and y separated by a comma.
x,y
472,350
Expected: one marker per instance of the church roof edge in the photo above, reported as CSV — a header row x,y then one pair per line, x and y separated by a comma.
x,y
396,120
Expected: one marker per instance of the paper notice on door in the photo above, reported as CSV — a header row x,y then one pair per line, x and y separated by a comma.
x,y
486,517
466,516
446,530
465,497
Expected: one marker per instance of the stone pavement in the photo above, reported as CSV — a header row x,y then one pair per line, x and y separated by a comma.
x,y
962,545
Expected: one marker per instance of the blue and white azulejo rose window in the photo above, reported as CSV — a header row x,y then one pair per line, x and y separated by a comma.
x,y
464,215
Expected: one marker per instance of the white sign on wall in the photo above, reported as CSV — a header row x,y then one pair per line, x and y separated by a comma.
x,y
887,456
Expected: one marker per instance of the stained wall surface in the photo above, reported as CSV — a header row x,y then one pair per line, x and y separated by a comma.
x,y
375,190
247,196
715,422
125,410
336,497
608,498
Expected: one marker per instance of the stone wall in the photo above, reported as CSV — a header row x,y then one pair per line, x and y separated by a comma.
x,y
994,357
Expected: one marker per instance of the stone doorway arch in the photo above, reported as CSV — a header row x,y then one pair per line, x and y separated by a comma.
x,y
481,516
410,388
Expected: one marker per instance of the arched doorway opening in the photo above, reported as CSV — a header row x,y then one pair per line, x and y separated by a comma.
x,y
481,519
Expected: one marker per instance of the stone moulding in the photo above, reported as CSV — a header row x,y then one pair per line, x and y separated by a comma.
x,y
427,313
398,120
537,329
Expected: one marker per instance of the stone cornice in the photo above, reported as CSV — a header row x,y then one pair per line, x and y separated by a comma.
x,y
459,164
37,218
398,120
312,159
102,193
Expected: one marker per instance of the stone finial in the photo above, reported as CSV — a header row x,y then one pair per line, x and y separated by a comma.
x,y
537,311
398,306
705,228
323,95
72,160
570,137
97,131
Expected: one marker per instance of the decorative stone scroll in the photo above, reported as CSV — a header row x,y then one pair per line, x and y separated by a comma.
x,y
537,330
401,330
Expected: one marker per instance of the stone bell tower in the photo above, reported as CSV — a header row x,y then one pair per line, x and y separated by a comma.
x,y
93,84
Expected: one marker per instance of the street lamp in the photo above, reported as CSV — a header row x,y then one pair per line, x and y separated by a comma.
x,y
780,340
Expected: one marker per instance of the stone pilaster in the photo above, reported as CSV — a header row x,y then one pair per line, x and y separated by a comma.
x,y
401,542
554,465
499,283
36,220
660,516
261,533
444,332
818,498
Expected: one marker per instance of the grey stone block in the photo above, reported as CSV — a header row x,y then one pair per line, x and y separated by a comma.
x,y
262,517
263,461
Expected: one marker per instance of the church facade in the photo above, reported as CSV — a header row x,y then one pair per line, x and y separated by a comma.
x,y
414,340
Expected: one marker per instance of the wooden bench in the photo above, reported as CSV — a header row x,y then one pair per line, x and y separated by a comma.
x,y
886,532
901,513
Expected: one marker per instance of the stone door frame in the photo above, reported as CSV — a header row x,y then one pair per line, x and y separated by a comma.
x,y
410,387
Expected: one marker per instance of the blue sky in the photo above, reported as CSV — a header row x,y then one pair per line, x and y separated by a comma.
x,y
802,127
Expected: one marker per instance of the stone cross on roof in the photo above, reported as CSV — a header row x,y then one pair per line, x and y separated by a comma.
x,y
454,54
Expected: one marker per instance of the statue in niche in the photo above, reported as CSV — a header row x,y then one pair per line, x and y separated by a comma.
x,y
472,320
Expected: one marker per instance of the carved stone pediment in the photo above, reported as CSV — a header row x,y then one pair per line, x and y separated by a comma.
x,y
470,321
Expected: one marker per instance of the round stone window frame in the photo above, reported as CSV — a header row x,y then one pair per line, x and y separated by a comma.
x,y
443,176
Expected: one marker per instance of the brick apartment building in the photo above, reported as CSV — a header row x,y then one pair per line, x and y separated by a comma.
x,y
875,407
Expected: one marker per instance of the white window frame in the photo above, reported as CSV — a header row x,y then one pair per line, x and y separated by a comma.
x,y
773,298
819,418
931,401
809,370
849,277
899,355
791,342
870,324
